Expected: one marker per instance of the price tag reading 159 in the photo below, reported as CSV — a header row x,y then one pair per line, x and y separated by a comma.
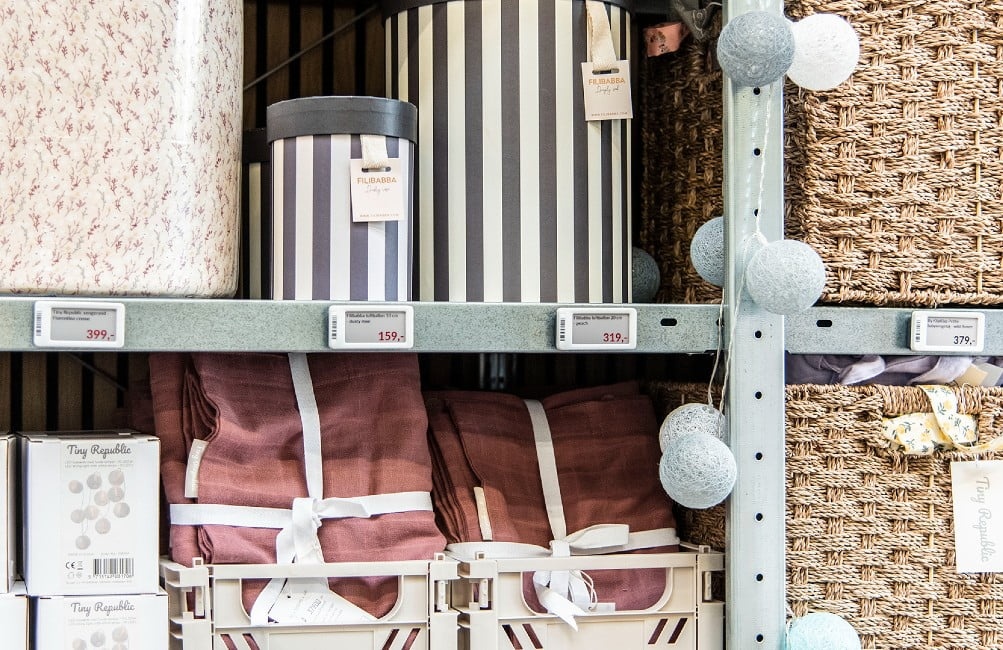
x,y
596,329
79,324
373,328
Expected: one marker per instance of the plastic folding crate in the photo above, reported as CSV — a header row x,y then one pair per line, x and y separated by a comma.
x,y
206,611
493,615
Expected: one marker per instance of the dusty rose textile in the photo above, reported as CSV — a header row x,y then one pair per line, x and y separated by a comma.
x,y
606,449
373,427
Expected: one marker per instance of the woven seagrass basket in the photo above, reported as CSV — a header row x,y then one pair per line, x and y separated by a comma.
x,y
894,177
870,529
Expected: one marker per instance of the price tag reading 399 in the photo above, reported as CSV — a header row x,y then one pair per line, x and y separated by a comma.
x,y
596,329
79,324
372,328
947,331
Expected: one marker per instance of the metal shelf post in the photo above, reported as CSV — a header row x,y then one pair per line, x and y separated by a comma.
x,y
753,193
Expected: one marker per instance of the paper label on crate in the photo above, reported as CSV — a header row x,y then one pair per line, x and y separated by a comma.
x,y
977,492
99,531
307,602
377,194
607,92
192,469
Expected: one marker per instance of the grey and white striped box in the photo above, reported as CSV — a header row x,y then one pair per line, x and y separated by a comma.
x,y
318,252
518,198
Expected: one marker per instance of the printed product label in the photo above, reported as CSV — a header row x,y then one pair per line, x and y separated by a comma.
x,y
977,491
102,624
98,531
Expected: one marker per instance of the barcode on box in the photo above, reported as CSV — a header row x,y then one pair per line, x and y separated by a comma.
x,y
116,567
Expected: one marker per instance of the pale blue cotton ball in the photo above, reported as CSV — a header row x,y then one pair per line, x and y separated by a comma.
x,y
826,52
697,470
821,631
645,276
692,418
785,277
756,48
707,251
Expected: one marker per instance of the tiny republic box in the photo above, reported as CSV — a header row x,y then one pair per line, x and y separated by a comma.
x,y
14,618
101,622
90,512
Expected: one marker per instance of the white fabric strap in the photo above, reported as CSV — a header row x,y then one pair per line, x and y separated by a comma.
x,y
306,401
374,152
592,543
548,469
601,51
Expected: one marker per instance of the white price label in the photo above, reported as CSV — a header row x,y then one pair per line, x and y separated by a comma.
x,y
596,329
947,331
374,328
79,324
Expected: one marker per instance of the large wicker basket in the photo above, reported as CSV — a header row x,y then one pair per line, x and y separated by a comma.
x,y
894,177
869,529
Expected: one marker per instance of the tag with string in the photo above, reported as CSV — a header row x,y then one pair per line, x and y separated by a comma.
x,y
605,78
377,187
977,499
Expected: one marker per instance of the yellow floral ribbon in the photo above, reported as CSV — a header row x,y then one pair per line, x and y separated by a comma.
x,y
942,429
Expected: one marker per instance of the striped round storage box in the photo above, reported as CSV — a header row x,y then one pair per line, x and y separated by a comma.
x,y
518,198
319,252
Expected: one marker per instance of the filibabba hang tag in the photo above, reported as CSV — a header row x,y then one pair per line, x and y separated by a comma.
x,y
605,78
377,188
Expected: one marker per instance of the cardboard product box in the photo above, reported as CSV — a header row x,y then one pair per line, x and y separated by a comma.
x,y
14,618
8,511
91,504
100,622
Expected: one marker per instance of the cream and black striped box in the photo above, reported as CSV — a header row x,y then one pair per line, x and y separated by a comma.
x,y
318,251
518,198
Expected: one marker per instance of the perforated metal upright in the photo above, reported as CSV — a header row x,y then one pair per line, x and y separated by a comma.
x,y
753,193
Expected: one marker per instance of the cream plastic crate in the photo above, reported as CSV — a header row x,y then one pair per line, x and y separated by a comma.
x,y
206,613
494,615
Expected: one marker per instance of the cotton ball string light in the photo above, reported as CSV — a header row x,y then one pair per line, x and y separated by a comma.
x,y
756,48
785,277
697,470
707,251
693,418
645,276
821,631
826,51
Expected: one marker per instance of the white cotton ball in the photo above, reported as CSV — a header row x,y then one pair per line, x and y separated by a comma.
x,y
707,251
785,277
826,52
97,639
756,48
116,477
100,498
116,494
821,631
645,276
697,470
121,510
91,513
79,644
693,418
120,633
102,526
76,487
77,516
94,481
83,542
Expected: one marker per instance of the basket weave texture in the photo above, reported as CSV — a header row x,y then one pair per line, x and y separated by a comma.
x,y
894,177
869,529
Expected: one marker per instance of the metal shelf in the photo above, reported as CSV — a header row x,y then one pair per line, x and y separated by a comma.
x,y
286,326
870,330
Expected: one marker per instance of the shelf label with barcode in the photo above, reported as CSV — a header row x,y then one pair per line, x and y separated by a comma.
x,y
79,324
947,331
371,327
597,328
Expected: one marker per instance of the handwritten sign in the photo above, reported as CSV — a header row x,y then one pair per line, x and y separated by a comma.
x,y
977,491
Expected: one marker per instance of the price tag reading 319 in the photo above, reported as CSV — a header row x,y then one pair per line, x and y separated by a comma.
x,y
372,328
79,324
596,328
947,331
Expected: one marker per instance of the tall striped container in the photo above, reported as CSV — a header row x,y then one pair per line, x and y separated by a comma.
x,y
518,198
318,251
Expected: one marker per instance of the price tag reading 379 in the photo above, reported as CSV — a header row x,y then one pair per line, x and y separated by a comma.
x,y
596,329
947,331
79,324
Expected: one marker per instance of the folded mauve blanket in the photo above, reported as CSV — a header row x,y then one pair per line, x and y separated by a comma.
x,y
605,443
373,441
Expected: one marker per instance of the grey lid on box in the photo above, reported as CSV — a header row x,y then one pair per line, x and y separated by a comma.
x,y
342,115
391,7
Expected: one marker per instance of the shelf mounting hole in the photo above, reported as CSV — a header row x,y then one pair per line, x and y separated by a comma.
x,y
759,638
823,323
757,151
759,395
759,516
759,455
756,91
759,577
669,322
759,334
